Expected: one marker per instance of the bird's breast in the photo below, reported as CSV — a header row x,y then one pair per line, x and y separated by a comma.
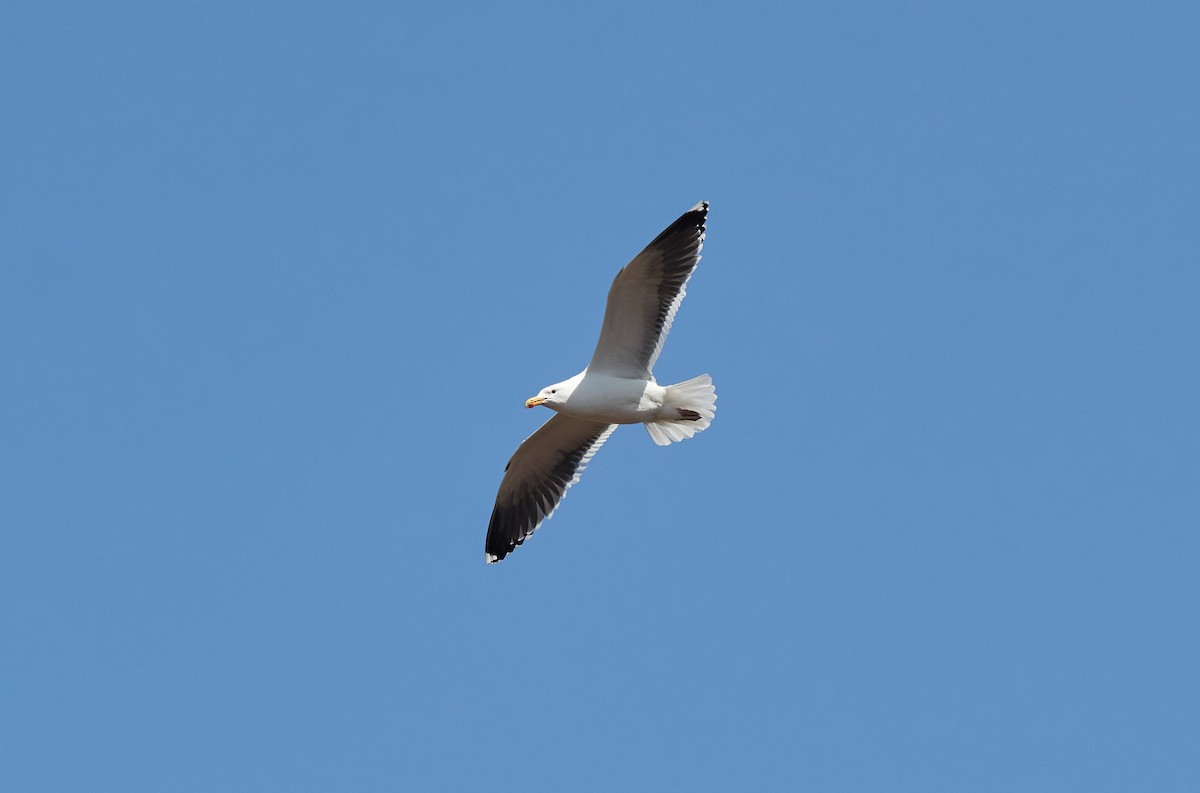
x,y
615,400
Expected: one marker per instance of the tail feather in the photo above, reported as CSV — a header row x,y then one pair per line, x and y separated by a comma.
x,y
689,407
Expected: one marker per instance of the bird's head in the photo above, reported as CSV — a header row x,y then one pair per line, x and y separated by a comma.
x,y
552,396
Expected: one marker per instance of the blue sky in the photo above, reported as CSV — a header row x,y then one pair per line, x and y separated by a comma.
x,y
275,281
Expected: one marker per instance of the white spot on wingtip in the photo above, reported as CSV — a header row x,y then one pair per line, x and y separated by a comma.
x,y
491,559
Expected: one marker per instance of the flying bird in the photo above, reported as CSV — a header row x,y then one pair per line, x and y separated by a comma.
x,y
617,387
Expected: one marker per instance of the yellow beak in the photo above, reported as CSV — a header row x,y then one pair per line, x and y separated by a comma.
x,y
534,402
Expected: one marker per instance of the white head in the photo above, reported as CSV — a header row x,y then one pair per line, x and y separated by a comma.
x,y
553,396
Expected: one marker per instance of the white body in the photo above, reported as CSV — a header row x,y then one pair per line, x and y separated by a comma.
x,y
613,400
670,413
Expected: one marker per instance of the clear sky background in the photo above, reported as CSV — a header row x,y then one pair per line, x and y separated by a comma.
x,y
275,281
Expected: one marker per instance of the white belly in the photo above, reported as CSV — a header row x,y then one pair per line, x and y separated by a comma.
x,y
616,400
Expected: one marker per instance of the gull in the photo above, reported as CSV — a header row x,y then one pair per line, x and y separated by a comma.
x,y
617,387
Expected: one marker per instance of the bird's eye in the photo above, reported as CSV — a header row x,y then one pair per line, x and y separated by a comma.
x,y
553,390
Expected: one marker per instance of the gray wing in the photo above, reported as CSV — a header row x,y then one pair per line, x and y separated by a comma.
x,y
645,296
537,477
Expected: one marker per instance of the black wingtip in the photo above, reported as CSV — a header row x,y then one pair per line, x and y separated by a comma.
x,y
495,552
500,539
700,210
693,219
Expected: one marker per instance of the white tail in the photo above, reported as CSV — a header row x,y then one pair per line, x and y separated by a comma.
x,y
688,408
